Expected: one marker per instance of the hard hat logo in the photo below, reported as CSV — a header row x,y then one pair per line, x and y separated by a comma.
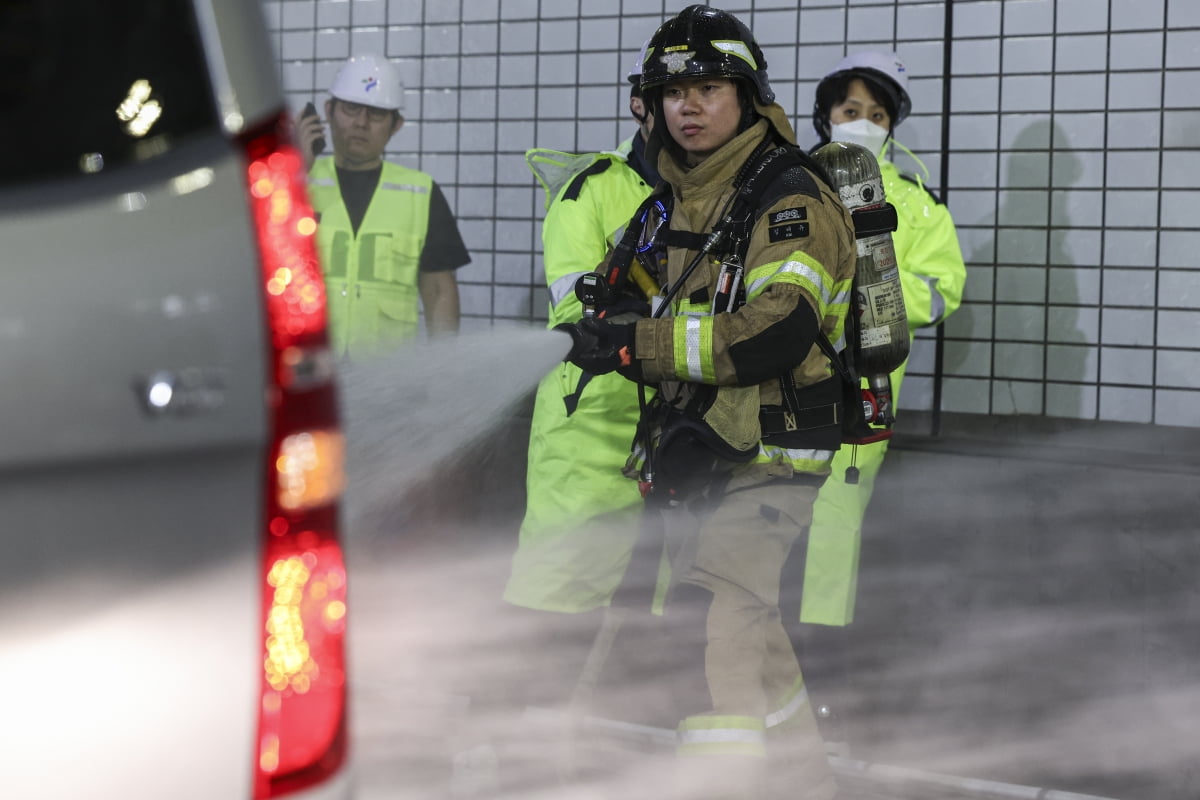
x,y
370,80
676,62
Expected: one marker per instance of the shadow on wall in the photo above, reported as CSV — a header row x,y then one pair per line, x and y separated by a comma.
x,y
1040,359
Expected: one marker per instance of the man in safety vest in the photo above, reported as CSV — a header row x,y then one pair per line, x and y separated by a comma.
x,y
862,100
385,233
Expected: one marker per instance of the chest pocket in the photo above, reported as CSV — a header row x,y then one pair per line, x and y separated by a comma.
x,y
389,257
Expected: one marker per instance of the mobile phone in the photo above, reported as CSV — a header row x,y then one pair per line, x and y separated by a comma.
x,y
318,145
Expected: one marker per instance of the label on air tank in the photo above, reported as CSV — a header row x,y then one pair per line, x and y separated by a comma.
x,y
880,305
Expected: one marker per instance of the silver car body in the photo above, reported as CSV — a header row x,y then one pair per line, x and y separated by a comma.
x,y
131,549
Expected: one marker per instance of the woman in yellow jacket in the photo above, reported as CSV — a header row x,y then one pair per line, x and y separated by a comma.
x,y
862,101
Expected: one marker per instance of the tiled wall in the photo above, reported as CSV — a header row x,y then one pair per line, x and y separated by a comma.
x,y
1070,160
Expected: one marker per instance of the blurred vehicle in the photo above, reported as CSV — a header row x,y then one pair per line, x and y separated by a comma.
x,y
172,587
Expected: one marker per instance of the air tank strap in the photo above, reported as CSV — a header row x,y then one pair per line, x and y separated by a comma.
x,y
874,221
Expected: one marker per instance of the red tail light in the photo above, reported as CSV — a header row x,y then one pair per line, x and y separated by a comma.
x,y
302,717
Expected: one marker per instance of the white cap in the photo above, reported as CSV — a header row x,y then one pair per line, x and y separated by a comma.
x,y
370,80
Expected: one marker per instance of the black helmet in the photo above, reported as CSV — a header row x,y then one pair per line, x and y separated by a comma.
x,y
885,74
702,41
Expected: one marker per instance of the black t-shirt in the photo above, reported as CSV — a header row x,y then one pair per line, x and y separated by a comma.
x,y
444,249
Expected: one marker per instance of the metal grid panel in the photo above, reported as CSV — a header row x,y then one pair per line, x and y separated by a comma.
x,y
1069,157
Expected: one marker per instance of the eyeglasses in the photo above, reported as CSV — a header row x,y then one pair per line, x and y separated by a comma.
x,y
373,114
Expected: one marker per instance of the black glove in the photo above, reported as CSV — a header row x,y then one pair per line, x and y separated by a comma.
x,y
599,346
625,308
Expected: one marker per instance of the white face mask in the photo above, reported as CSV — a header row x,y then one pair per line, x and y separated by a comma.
x,y
860,131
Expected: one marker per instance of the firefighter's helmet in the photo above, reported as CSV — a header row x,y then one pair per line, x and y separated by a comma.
x,y
705,42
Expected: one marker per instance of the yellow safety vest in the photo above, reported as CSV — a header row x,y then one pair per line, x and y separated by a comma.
x,y
371,276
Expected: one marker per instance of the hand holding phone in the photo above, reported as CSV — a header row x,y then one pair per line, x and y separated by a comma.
x,y
318,144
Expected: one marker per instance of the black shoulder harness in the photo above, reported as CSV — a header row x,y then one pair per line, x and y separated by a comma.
x,y
572,192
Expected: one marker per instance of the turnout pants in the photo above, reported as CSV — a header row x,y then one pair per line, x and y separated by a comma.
x,y
747,730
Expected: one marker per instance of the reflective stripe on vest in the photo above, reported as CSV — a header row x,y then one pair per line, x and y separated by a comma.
x,y
371,277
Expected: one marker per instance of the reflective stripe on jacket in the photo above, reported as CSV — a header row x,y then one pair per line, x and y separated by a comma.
x,y
932,271
371,276
786,266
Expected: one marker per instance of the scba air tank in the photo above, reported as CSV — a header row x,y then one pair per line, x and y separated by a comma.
x,y
879,316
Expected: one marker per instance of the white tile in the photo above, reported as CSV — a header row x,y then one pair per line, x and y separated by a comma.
x,y
1133,169
370,40
965,395
1124,248
1178,369
1178,328
867,25
1026,17
1135,51
821,26
1017,397
1025,93
1073,362
1131,208
1075,246
333,13
481,11
1022,323
1021,246
920,21
1179,248
1028,54
561,36
1073,285
968,358
1137,14
1072,325
976,19
1177,408
1086,53
1080,92
1025,131
974,94
1125,326
1181,168
1070,401
1029,207
1079,15
1135,89
774,27
980,57
1183,49
518,70
370,12
1118,404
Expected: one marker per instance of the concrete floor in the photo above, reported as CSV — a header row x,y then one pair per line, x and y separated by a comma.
x,y
1036,623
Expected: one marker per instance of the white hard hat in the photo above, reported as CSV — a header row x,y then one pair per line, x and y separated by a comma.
x,y
887,63
370,80
885,71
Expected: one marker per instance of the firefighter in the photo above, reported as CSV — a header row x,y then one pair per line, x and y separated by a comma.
x,y
581,512
385,233
742,428
863,100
